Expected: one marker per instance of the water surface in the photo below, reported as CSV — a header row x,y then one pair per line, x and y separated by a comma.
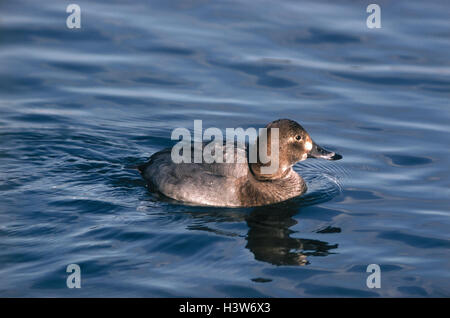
x,y
79,107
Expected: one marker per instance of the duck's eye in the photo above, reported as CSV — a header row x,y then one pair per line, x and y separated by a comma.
x,y
298,137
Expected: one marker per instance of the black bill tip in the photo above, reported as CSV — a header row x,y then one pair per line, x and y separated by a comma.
x,y
336,156
318,152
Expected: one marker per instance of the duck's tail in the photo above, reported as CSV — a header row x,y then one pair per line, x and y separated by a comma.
x,y
141,168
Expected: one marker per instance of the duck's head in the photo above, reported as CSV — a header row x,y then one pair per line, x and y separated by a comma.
x,y
295,145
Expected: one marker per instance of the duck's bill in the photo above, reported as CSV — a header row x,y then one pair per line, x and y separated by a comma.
x,y
319,152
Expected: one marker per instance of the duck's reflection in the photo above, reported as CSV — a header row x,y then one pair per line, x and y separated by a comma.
x,y
269,237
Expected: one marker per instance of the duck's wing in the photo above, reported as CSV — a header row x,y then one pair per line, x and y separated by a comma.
x,y
234,163
199,183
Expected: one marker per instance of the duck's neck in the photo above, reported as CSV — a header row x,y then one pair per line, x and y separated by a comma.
x,y
258,191
280,173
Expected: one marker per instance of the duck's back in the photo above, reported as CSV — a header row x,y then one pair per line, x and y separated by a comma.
x,y
215,184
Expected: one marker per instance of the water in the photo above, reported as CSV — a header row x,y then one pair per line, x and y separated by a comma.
x,y
78,107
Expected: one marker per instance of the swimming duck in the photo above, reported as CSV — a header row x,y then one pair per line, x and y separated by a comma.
x,y
241,183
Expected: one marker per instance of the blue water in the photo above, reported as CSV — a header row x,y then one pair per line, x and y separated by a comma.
x,y
79,107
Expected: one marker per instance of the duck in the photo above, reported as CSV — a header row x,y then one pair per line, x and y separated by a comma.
x,y
240,182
